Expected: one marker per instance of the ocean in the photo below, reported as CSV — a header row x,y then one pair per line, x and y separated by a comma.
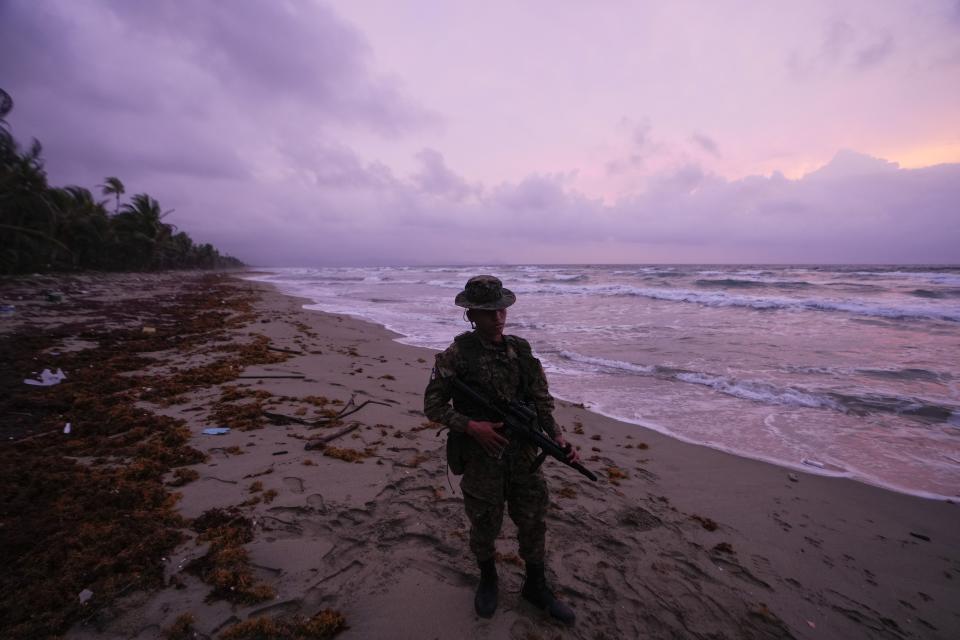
x,y
840,370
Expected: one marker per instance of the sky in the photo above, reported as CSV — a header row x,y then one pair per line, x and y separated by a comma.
x,y
377,132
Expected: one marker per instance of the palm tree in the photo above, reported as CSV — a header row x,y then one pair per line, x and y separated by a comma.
x,y
83,224
113,187
141,231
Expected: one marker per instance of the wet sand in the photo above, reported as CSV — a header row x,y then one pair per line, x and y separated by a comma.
x,y
674,541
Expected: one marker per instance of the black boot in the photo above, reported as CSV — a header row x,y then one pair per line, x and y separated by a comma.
x,y
536,591
485,602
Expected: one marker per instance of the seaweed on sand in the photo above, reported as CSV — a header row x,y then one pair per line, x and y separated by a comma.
x,y
345,454
181,629
183,476
242,417
322,626
88,513
226,565
167,388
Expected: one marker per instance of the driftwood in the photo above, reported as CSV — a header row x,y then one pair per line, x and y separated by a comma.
x,y
294,376
343,412
279,418
296,353
348,409
321,441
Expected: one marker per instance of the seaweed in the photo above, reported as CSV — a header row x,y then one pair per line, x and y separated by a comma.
x,y
102,526
347,455
322,626
183,476
226,564
167,388
181,629
242,417
615,474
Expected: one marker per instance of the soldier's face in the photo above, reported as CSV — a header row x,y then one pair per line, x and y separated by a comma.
x,y
490,323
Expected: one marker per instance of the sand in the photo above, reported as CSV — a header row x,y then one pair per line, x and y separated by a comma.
x,y
674,541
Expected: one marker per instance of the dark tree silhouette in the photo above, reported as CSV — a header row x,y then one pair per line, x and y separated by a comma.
x,y
44,228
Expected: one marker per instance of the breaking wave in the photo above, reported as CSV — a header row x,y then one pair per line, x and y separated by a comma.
x,y
722,299
734,283
767,393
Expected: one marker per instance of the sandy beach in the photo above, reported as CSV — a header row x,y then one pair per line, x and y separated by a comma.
x,y
329,500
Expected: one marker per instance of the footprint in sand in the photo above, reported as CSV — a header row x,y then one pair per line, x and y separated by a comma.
x,y
316,501
294,484
639,518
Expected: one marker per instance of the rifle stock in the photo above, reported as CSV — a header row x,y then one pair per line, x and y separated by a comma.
x,y
518,419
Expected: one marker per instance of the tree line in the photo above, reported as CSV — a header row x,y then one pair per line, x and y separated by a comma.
x,y
47,228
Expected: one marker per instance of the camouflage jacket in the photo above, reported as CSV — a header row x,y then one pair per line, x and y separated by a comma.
x,y
500,371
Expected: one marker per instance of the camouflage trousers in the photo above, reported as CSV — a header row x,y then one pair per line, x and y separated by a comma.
x,y
488,484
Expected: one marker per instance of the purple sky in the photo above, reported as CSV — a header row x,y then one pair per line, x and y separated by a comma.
x,y
378,132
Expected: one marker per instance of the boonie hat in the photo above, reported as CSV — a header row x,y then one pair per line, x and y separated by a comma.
x,y
485,292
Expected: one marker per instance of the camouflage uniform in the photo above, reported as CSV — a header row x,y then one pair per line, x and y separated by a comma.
x,y
501,372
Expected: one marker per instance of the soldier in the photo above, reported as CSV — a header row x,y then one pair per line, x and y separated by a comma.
x,y
496,470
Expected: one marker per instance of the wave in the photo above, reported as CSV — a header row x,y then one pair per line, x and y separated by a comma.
x,y
734,283
761,391
767,393
609,364
856,286
565,278
934,277
937,294
910,374
722,299
650,272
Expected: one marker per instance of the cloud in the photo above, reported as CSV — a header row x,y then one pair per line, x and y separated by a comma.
x,y
435,178
706,143
843,46
874,54
299,52
838,37
854,209
250,118
639,146
219,89
850,164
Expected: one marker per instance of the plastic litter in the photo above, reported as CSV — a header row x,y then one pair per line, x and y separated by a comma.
x,y
54,296
814,463
67,428
7,310
85,596
47,378
216,431
150,330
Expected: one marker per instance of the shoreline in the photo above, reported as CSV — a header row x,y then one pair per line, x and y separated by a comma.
x,y
674,541
800,467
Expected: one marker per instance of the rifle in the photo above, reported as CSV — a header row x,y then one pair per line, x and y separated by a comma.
x,y
519,420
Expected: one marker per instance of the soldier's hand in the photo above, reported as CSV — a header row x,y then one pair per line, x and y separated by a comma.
x,y
572,454
486,433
